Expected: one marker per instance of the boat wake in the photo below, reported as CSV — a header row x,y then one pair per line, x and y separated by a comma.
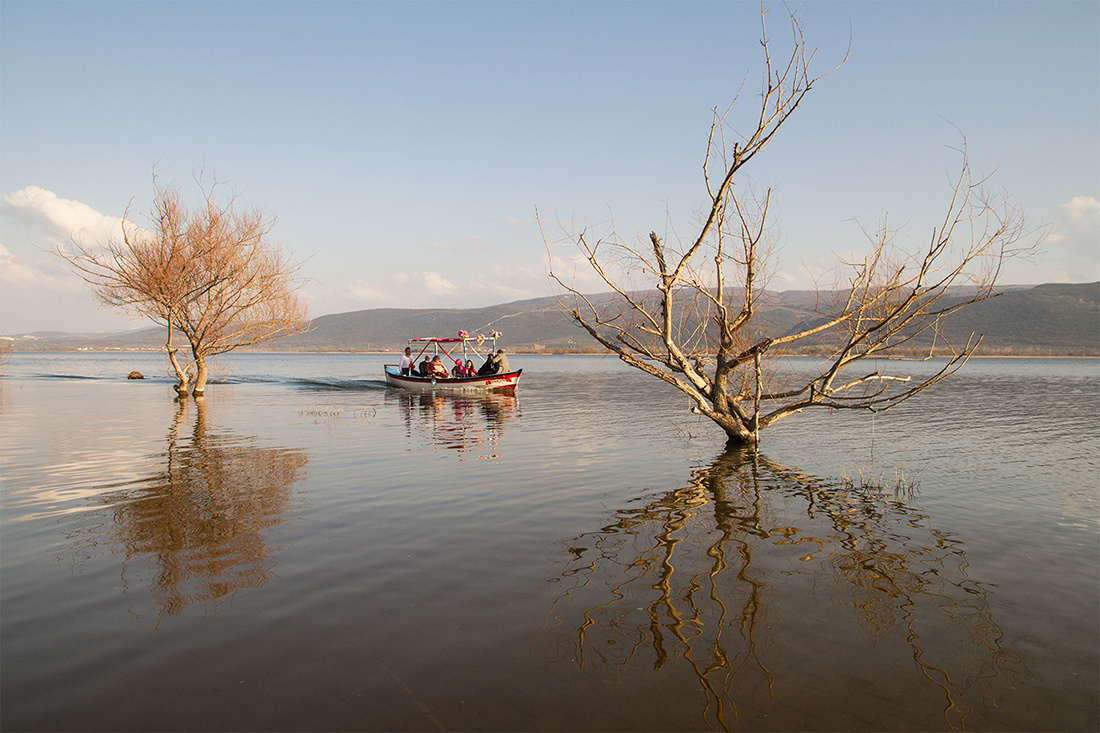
x,y
305,383
323,384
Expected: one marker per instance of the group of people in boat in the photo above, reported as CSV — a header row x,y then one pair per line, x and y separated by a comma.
x,y
495,363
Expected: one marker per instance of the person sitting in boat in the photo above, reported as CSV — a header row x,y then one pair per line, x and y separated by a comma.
x,y
425,368
464,370
438,370
489,367
500,362
406,362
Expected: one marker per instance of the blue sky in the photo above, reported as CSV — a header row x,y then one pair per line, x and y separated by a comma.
x,y
404,147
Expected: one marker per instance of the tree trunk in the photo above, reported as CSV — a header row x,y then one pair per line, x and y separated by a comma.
x,y
200,375
181,373
737,435
736,440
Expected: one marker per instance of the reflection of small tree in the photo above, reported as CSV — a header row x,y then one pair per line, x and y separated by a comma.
x,y
202,522
689,311
691,576
210,273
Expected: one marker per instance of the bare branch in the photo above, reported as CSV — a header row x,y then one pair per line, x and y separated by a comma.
x,y
691,315
211,273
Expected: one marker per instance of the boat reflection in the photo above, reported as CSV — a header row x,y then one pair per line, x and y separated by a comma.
x,y
199,530
704,577
471,425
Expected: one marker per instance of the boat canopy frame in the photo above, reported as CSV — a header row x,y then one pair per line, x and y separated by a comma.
x,y
438,344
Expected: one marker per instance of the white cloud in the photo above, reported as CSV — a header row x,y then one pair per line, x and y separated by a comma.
x,y
14,272
402,291
1072,248
784,280
500,284
575,271
58,219
434,283
1082,209
19,272
39,290
361,291
429,289
43,295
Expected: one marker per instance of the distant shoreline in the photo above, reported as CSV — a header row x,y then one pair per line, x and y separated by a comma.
x,y
526,353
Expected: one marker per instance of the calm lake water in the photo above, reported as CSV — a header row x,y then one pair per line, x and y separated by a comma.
x,y
307,549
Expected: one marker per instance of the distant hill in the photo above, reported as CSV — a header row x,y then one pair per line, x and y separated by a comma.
x,y
1045,320
1052,319
1055,318
531,325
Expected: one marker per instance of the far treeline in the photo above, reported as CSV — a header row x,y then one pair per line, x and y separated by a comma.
x,y
1045,320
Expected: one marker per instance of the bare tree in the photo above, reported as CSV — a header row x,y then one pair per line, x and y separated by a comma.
x,y
688,311
211,274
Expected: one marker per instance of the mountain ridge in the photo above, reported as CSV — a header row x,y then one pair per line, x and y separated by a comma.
x,y
1056,319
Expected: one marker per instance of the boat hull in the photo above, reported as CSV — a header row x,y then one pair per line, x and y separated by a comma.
x,y
490,383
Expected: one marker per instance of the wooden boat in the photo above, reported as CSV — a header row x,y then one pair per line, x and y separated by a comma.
x,y
448,348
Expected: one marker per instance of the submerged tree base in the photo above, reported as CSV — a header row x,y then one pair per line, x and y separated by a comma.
x,y
738,442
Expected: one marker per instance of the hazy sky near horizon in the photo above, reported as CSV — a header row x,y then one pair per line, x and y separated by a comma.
x,y
404,147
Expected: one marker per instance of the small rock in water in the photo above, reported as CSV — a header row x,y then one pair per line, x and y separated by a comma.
x,y
135,375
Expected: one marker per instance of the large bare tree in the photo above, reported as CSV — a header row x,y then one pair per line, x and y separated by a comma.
x,y
688,311
211,274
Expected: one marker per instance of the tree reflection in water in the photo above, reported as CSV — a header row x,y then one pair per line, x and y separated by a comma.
x,y
199,528
466,423
700,575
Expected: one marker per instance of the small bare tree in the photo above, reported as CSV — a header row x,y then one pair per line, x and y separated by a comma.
x,y
688,311
211,274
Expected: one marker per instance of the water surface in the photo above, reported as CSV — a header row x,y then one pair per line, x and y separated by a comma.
x,y
305,549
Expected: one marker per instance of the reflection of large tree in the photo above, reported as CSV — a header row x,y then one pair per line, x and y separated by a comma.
x,y
695,577
201,524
